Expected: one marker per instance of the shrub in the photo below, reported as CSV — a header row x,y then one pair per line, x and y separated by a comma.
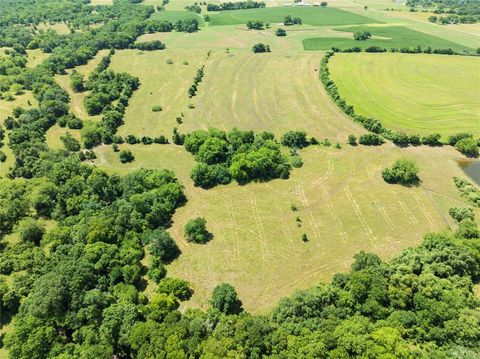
x,y
169,62
126,156
431,140
280,32
403,171
255,25
352,140
196,231
70,143
362,35
452,140
3,157
296,161
30,230
157,108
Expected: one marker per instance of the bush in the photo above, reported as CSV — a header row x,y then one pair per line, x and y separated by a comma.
x,y
352,140
255,25
225,299
371,139
468,229
3,157
156,108
70,143
206,176
280,32
362,35
452,140
196,231
431,140
126,156
296,161
403,172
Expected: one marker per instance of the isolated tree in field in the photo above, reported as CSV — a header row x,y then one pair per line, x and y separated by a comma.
x,y
225,299
362,35
402,171
179,288
126,156
196,231
255,25
259,48
281,32
323,4
294,139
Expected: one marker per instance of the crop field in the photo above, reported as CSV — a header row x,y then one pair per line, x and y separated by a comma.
x,y
239,89
412,93
311,16
343,204
387,37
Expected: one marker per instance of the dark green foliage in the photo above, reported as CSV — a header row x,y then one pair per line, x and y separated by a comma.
x,y
370,139
468,146
196,231
468,190
77,82
468,229
70,142
255,25
156,108
192,91
291,21
362,35
431,140
194,8
208,176
3,157
30,230
225,299
149,45
161,244
461,213
259,48
280,32
179,288
239,5
126,156
352,140
402,171
186,25
294,139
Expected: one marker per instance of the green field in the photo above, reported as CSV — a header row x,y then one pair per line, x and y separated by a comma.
x,y
384,36
412,93
310,16
174,16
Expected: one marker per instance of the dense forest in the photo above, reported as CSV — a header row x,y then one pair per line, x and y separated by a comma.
x,y
76,288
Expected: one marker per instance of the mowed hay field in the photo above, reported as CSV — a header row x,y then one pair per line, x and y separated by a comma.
x,y
249,91
412,93
311,16
343,204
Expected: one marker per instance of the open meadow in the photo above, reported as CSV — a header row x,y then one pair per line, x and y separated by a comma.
x,y
415,93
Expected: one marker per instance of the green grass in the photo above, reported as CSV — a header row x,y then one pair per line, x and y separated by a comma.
x,y
174,16
412,93
310,16
391,36
343,203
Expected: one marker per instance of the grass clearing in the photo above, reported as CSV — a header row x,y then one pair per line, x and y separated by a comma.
x,y
344,207
36,57
393,36
239,89
311,16
412,93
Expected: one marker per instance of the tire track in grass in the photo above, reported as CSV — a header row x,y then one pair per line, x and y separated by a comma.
x,y
236,247
358,213
259,225
303,198
424,211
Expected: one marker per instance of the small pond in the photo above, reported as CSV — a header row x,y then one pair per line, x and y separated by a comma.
x,y
471,168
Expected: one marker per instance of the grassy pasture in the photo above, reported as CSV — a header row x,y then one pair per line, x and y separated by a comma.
x,y
174,16
249,91
389,36
344,207
311,16
412,93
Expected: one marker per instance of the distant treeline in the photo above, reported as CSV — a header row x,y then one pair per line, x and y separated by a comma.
x,y
458,11
236,5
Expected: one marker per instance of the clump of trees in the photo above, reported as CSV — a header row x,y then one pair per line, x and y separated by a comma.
x,y
192,91
126,156
465,143
280,32
371,139
403,171
294,139
289,20
242,156
259,48
77,82
194,8
255,25
362,35
238,5
225,299
196,231
468,190
149,45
